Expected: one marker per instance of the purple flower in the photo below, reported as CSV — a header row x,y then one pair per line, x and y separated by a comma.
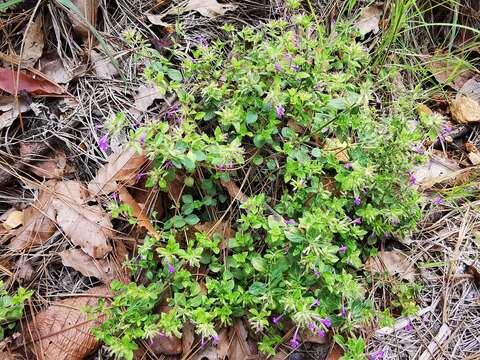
x,y
343,313
348,165
202,41
295,68
167,164
311,326
288,56
357,221
178,120
326,322
419,150
438,201
171,268
409,326
412,178
103,143
342,249
376,355
141,139
277,319
115,196
289,222
215,339
357,201
294,342
229,166
171,112
321,333
316,273
139,176
315,302
278,67
280,111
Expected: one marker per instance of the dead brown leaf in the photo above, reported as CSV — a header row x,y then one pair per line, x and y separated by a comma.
x,y
86,265
335,353
175,188
87,226
34,86
12,219
62,331
10,109
137,212
33,42
239,348
188,337
168,345
339,148
394,263
144,98
454,74
471,89
465,110
121,168
158,20
209,8
54,69
103,67
54,168
438,169
369,20
234,191
88,9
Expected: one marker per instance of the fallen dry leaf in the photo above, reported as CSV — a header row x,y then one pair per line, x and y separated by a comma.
x,y
88,9
453,74
465,110
337,147
137,212
158,20
209,8
34,86
188,338
33,43
335,353
87,226
10,109
308,336
394,263
175,188
471,89
438,169
144,98
369,20
121,168
234,191
23,271
86,265
161,344
54,69
12,219
62,331
239,347
54,168
102,66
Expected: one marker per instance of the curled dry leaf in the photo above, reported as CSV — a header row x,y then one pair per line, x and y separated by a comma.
x,y
104,69
34,86
12,219
144,98
439,169
234,191
86,225
209,8
33,43
121,167
453,74
88,9
394,263
369,20
137,212
86,265
10,108
54,168
465,110
54,69
62,331
239,347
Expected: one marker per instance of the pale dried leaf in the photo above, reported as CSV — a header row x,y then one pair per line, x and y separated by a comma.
x,y
436,170
453,74
121,167
369,20
145,96
86,265
239,348
54,168
104,69
471,89
137,212
23,271
33,43
338,148
55,70
87,226
188,338
158,20
394,263
167,345
234,191
465,110
88,9
62,331
12,219
209,8
10,109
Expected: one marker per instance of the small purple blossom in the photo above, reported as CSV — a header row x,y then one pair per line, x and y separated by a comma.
x,y
280,111
103,143
115,196
342,249
316,273
295,68
171,268
438,201
357,201
347,165
294,342
376,355
139,176
315,302
289,222
311,326
357,221
277,319
409,326
179,120
141,139
202,41
343,312
171,112
326,322
215,339
168,164
288,56
412,179
278,67
419,150
321,333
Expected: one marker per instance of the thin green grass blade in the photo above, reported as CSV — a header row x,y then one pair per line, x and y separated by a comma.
x,y
9,4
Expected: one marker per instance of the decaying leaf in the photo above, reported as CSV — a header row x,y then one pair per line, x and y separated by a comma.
x,y
339,148
121,168
209,8
394,263
168,345
188,337
10,109
54,69
471,89
104,69
144,98
234,191
454,74
12,219
88,9
158,20
369,20
239,347
465,110
87,226
62,331
34,86
335,353
86,265
54,168
438,169
33,43
137,212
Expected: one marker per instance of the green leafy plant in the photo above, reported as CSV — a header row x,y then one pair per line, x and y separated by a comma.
x,y
11,307
298,106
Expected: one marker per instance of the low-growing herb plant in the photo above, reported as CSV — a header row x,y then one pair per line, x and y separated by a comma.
x,y
331,142
11,307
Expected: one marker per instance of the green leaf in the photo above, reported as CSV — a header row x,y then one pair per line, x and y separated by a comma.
x,y
251,118
257,288
258,263
192,219
174,74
